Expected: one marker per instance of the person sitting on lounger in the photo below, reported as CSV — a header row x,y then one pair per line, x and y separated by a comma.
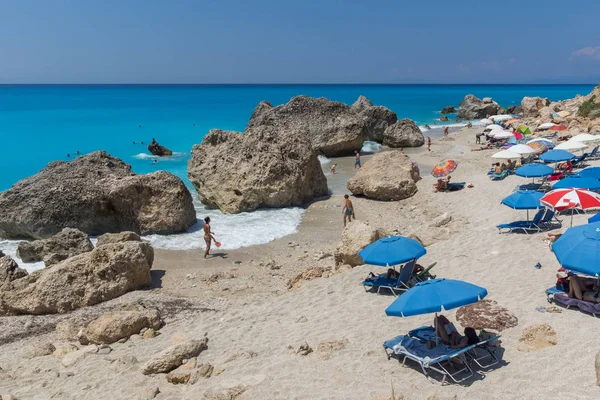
x,y
449,336
583,289
498,169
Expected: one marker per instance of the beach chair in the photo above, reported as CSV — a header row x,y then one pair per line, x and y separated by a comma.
x,y
524,226
579,162
400,284
558,296
550,136
550,221
427,334
499,177
557,176
425,274
435,359
593,155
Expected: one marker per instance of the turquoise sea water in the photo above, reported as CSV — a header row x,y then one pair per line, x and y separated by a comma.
x,y
39,124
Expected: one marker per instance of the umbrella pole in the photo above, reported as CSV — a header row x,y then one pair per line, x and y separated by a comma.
x,y
527,215
572,211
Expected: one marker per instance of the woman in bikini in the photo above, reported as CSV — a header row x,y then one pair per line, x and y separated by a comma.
x,y
208,236
449,336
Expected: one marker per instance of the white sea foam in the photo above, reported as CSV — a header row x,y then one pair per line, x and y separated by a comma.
x,y
370,147
456,125
9,247
234,230
177,156
323,160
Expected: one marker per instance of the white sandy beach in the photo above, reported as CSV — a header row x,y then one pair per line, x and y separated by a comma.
x,y
255,324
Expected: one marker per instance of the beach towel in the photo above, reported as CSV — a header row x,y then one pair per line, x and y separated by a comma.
x,y
586,306
419,349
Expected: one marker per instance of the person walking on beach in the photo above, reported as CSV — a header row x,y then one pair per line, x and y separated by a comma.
x,y
445,131
348,210
332,169
208,236
428,143
357,160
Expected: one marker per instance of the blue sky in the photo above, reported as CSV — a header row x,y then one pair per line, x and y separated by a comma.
x,y
326,41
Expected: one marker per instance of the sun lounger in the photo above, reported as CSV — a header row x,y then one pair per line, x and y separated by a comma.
x,y
436,359
525,226
579,162
427,333
593,155
425,274
550,136
499,177
560,297
396,285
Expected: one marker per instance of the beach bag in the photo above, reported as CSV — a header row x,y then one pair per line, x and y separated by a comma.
x,y
562,281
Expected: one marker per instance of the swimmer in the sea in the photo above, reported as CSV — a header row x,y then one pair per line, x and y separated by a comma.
x,y
68,155
77,152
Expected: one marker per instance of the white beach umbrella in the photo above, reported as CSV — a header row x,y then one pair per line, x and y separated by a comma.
x,y
521,149
545,126
501,117
486,121
585,137
502,134
570,145
506,155
492,126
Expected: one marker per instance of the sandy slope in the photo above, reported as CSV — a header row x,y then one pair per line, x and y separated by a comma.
x,y
255,323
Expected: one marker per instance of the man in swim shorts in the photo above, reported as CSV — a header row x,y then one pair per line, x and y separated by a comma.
x,y
357,160
348,210
208,235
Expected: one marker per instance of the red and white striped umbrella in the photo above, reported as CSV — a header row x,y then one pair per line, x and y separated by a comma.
x,y
565,199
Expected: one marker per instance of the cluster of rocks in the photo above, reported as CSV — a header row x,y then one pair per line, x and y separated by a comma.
x,y
274,162
538,110
119,264
96,193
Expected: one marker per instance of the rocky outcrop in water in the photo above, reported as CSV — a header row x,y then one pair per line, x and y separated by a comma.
x,y
387,176
448,110
95,193
67,243
267,166
404,133
376,118
514,110
333,128
330,126
157,150
475,108
90,278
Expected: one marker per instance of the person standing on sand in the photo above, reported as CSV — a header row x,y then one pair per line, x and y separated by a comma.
x,y
348,210
357,159
208,235
445,131
428,143
332,169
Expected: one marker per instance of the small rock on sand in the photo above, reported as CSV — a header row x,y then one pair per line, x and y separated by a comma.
x,y
304,350
63,350
442,220
173,357
38,350
148,393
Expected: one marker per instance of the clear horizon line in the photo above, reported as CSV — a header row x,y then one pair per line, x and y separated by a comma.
x,y
295,84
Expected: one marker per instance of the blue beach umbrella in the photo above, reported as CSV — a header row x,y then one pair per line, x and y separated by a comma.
x,y
591,172
392,250
524,200
595,218
534,170
578,249
557,156
578,182
435,295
